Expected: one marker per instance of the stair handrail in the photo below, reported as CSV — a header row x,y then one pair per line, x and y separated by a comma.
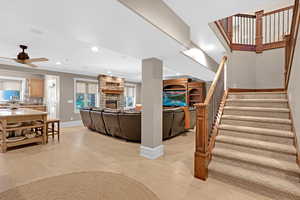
x,y
205,110
214,83
291,41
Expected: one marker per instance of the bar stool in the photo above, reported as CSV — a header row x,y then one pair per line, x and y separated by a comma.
x,y
53,128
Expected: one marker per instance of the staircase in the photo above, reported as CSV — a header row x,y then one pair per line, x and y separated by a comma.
x,y
255,145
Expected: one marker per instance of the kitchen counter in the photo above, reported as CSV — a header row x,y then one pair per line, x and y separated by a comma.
x,y
30,106
28,119
4,113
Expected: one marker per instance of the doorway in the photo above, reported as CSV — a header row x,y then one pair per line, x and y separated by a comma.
x,y
52,96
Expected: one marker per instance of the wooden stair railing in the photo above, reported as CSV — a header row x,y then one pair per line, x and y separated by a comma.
x,y
290,43
207,113
259,32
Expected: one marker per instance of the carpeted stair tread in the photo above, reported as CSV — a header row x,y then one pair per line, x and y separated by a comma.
x,y
258,100
250,177
259,131
258,119
251,143
254,159
258,93
259,109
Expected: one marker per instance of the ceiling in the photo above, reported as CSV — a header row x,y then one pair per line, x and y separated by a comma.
x,y
65,30
198,14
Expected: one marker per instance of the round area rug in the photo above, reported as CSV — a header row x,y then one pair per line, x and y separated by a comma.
x,y
82,186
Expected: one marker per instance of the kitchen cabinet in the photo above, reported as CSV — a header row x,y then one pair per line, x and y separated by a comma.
x,y
36,87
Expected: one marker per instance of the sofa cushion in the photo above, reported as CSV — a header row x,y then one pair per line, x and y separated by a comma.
x,y
168,118
193,118
97,109
112,124
178,123
86,119
109,110
98,121
130,124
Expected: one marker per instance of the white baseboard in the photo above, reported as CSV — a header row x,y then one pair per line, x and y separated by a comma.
x,y
152,153
71,124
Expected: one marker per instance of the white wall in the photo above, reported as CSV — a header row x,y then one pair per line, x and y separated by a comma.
x,y
294,90
270,69
256,71
241,70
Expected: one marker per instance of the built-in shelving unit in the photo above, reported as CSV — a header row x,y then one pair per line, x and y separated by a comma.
x,y
195,90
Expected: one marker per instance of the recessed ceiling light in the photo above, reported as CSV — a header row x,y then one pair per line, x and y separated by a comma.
x,y
95,49
58,63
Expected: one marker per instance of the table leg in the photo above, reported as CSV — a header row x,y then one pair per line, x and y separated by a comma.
x,y
58,130
53,130
45,130
3,145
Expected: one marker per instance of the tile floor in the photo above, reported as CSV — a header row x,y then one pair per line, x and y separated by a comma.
x,y
170,177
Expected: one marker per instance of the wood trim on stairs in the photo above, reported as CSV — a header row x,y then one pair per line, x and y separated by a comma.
x,y
243,47
215,130
295,136
298,153
274,45
223,33
256,90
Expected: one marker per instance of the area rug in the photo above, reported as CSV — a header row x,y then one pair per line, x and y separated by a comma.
x,y
82,186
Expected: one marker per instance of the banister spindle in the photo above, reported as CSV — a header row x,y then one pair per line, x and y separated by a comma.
x,y
283,23
278,18
274,26
270,29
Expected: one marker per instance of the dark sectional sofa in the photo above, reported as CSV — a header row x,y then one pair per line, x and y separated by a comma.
x,y
127,124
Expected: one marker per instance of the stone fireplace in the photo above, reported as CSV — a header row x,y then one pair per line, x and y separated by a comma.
x,y
111,91
113,104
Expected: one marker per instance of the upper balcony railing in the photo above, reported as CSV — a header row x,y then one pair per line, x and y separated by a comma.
x,y
258,32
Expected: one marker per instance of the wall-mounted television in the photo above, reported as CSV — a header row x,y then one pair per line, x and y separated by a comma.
x,y
174,98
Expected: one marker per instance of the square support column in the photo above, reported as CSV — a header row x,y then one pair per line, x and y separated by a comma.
x,y
152,87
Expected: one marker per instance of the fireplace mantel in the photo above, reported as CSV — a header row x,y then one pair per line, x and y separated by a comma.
x,y
112,91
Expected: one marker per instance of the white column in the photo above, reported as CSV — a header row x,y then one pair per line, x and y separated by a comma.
x,y
152,83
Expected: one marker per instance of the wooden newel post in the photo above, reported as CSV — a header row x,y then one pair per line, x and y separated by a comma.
x,y
201,153
259,31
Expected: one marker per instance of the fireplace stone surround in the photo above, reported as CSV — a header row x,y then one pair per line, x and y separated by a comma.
x,y
111,90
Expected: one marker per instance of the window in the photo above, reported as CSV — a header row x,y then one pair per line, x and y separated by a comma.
x,y
86,94
130,95
11,88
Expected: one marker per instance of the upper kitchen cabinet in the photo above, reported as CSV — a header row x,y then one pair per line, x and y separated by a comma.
x,y
36,87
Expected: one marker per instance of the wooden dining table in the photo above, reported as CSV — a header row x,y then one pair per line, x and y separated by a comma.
x,y
28,119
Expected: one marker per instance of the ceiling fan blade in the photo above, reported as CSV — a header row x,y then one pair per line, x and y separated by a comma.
x,y
36,60
31,65
7,58
18,61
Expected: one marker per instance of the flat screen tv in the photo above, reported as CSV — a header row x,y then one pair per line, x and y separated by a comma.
x,y
174,98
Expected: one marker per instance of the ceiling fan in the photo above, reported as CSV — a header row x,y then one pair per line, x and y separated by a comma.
x,y
23,58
